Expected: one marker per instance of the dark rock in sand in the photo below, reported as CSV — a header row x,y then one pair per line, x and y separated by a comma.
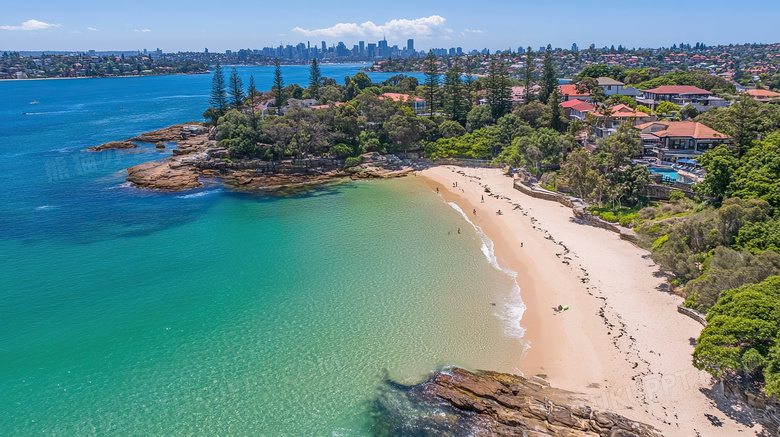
x,y
459,402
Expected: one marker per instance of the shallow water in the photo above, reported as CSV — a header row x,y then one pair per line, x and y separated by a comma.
x,y
129,312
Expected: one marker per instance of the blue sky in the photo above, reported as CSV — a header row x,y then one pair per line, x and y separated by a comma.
x,y
178,25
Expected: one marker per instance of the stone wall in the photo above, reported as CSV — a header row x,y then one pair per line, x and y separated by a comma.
x,y
662,192
695,315
579,208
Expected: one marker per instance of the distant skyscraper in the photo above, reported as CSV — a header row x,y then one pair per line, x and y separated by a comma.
x,y
324,47
574,47
520,50
361,47
410,44
206,50
228,52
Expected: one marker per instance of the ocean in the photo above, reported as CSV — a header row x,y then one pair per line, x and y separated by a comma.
x,y
214,312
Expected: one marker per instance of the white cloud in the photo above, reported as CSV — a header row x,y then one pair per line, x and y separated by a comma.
x,y
93,29
418,27
142,30
473,31
31,25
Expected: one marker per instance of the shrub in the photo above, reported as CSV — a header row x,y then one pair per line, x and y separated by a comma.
x,y
627,220
676,195
659,242
609,216
352,161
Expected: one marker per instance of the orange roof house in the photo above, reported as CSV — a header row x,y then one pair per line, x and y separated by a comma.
x,y
763,95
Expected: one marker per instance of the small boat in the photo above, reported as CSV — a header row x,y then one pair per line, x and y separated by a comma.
x,y
34,102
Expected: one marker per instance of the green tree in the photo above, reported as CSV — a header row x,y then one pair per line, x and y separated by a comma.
x,y
580,173
478,117
615,150
667,108
720,164
278,87
549,77
557,119
431,72
362,80
236,89
742,335
315,77
528,94
218,97
456,100
499,94
251,92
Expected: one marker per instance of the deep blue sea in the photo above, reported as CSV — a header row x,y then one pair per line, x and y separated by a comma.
x,y
212,312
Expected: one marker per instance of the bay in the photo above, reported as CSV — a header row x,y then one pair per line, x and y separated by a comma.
x,y
130,312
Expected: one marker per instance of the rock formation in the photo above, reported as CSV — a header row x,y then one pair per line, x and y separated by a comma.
x,y
113,145
459,402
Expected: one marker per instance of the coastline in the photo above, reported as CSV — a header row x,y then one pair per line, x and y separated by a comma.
x,y
102,77
622,344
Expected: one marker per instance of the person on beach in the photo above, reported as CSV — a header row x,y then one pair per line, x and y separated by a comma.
x,y
483,198
560,308
459,230
475,211
437,190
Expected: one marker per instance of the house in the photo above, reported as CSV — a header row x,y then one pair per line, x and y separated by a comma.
x,y
335,104
681,95
576,109
674,140
569,92
763,95
610,118
518,93
417,102
610,86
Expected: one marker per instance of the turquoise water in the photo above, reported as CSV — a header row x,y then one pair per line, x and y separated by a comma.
x,y
129,312
666,172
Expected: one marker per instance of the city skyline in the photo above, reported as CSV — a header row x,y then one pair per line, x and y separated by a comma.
x,y
194,25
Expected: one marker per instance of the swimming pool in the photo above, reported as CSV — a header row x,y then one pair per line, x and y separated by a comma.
x,y
667,173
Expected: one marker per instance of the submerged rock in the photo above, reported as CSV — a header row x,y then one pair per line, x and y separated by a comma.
x,y
458,402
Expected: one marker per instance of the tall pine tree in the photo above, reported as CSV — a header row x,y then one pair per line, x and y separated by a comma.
x,y
236,89
557,120
278,87
218,97
549,78
431,71
251,91
315,76
529,76
456,96
499,94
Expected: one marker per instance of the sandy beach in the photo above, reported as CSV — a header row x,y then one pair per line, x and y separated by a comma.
x,y
622,343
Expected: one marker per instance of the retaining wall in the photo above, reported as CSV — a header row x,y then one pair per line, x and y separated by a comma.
x,y
579,208
695,315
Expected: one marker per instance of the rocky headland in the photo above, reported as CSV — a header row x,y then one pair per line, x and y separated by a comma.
x,y
196,155
458,402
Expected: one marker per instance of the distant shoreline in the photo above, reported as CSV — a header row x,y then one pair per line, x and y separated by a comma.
x,y
102,77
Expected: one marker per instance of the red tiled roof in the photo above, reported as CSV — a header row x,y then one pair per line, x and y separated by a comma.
x,y
401,97
762,93
570,90
578,105
685,129
677,89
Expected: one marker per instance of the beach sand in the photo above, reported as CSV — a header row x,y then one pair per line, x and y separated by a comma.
x,y
622,343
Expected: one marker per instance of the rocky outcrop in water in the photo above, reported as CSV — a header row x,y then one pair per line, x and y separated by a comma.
x,y
113,145
458,402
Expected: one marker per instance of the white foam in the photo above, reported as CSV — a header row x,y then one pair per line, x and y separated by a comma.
x,y
122,185
198,194
513,311
46,207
